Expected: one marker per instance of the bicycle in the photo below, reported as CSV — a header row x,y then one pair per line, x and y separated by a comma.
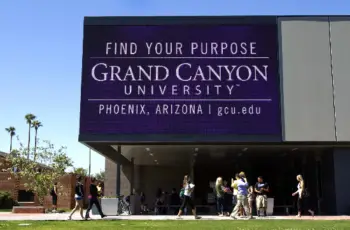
x,y
123,206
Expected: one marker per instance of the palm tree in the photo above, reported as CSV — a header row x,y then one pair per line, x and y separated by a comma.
x,y
12,131
29,119
36,125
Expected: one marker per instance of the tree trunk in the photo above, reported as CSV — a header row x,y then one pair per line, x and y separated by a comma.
x,y
11,144
35,143
28,142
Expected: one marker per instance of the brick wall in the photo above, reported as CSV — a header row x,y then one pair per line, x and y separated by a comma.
x,y
65,190
7,183
110,177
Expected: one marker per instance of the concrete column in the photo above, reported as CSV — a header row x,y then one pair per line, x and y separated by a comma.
x,y
137,179
341,158
110,180
132,176
118,173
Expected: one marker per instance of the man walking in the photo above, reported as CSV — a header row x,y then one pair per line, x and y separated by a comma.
x,y
261,189
242,199
93,199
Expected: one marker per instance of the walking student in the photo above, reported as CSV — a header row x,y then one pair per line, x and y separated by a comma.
x,y
261,189
187,200
242,196
93,199
78,196
54,197
303,197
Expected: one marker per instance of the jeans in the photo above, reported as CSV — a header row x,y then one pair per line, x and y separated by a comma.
x,y
220,204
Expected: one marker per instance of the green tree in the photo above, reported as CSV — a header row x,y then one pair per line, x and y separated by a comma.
x,y
39,177
29,119
81,171
36,125
100,176
12,131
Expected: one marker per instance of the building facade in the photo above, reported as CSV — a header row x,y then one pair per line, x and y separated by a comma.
x,y
311,110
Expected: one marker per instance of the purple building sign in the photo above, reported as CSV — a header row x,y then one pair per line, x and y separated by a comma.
x,y
180,80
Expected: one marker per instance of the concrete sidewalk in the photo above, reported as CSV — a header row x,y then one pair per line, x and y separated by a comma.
x,y
64,216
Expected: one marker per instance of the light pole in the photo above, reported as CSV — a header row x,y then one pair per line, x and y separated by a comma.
x,y
89,162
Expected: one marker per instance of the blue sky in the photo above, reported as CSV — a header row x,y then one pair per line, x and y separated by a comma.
x,y
40,56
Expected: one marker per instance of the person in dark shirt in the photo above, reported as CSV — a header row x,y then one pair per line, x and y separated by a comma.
x,y
79,197
54,197
93,199
174,201
261,189
227,199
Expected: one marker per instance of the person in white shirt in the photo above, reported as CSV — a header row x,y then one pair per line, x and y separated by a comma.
x,y
187,200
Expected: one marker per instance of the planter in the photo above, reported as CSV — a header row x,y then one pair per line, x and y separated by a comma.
x,y
109,207
270,205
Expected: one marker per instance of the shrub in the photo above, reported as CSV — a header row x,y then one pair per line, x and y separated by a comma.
x,y
6,200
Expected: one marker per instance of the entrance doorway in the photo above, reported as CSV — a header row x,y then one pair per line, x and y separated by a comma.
x,y
278,166
163,166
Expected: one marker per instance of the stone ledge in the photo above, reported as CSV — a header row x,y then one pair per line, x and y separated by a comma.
x,y
28,209
29,203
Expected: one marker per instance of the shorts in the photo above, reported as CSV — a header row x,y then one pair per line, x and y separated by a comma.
x,y
187,202
76,197
261,201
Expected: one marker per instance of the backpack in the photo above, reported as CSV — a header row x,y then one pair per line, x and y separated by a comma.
x,y
306,193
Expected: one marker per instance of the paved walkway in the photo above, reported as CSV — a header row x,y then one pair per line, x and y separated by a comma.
x,y
64,216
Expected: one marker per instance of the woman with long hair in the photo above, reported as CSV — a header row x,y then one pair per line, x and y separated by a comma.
x,y
219,192
79,197
303,195
187,197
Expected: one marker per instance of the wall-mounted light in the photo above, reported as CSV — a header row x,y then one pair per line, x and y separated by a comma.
x,y
245,149
151,154
196,149
147,149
